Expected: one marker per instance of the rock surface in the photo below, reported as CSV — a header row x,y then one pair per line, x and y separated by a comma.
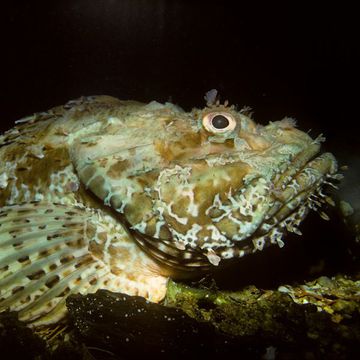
x,y
315,320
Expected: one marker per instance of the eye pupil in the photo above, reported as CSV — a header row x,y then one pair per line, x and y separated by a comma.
x,y
220,122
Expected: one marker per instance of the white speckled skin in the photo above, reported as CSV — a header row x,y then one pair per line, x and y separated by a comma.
x,y
103,193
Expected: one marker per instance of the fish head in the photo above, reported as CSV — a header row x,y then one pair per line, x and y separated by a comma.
x,y
201,187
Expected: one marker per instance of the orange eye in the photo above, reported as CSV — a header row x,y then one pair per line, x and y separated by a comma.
x,y
219,122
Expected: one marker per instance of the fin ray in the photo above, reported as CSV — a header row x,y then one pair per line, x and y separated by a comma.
x,y
44,257
33,267
13,240
25,252
59,287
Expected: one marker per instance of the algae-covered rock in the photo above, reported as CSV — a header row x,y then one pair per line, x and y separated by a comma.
x,y
318,319
315,319
129,327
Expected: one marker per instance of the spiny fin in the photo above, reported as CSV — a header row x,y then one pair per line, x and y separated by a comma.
x,y
45,257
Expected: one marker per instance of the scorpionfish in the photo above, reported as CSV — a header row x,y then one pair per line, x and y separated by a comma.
x,y
103,193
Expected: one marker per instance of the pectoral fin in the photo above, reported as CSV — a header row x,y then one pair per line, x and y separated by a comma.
x,y
44,257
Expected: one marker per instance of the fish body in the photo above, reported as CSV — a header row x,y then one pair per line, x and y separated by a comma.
x,y
108,194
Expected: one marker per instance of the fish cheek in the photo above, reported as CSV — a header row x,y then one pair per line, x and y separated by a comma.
x,y
139,209
228,227
117,168
158,229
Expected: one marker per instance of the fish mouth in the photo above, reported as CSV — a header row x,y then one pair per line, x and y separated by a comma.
x,y
294,196
291,195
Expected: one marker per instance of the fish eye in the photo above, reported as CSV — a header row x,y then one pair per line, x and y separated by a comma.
x,y
218,122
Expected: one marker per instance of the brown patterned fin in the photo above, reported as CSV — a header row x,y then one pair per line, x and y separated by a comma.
x,y
44,257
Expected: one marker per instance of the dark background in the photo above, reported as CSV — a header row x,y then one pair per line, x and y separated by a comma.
x,y
282,60
290,59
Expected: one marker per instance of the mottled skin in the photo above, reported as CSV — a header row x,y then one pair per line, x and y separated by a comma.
x,y
103,193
